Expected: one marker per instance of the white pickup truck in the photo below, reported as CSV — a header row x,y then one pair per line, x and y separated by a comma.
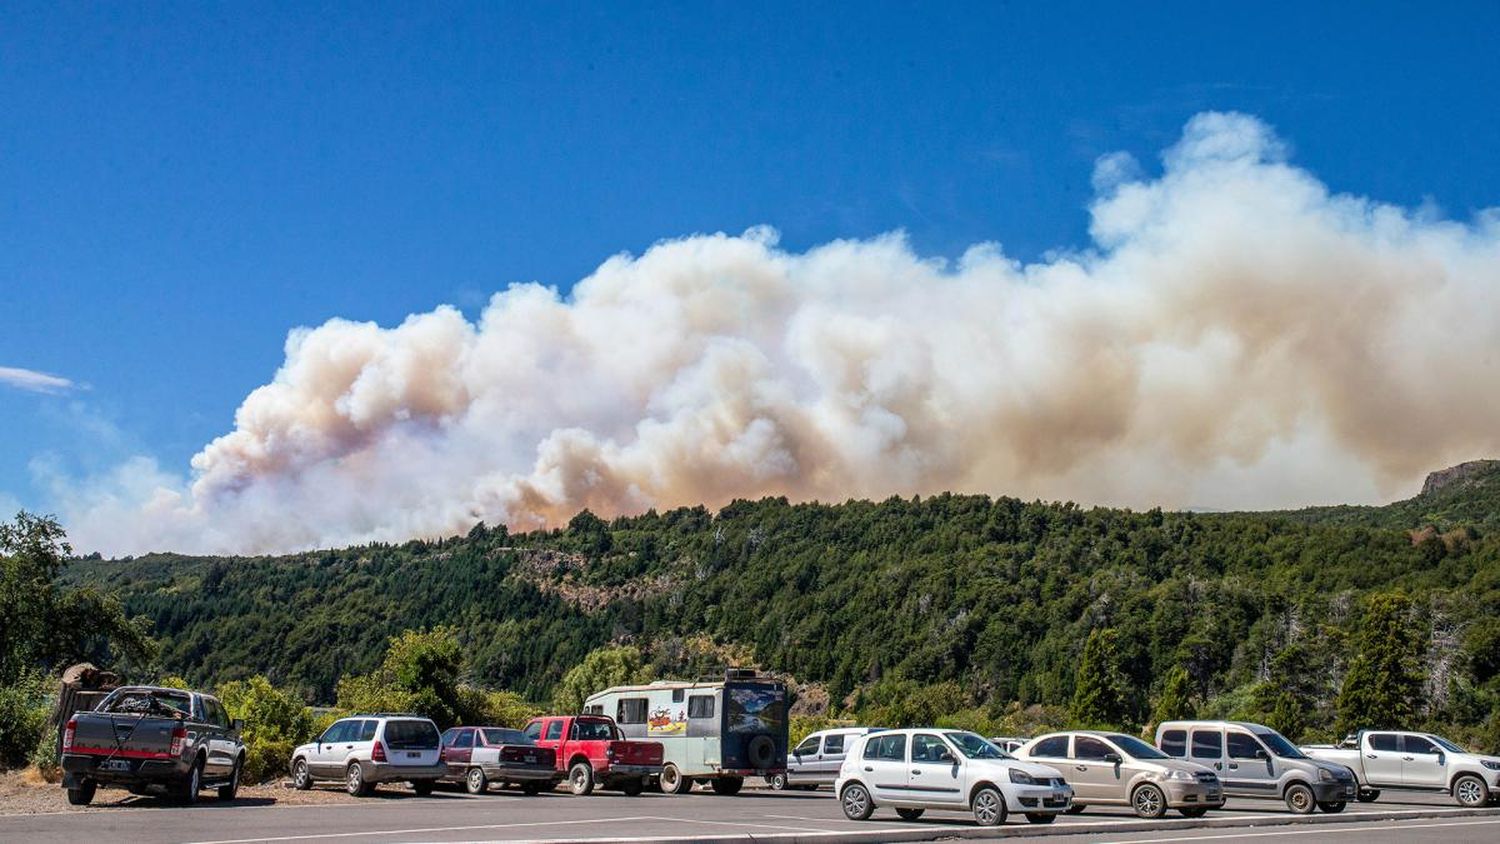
x,y
1386,759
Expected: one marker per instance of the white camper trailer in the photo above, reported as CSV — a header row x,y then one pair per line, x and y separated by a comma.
x,y
718,731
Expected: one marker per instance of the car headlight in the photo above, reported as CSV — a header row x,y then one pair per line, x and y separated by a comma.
x,y
1020,777
1178,775
1325,775
1493,766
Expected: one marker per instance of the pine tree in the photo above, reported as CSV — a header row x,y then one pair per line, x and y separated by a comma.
x,y
1176,699
1100,687
1383,687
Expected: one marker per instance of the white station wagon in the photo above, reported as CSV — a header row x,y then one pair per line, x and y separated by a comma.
x,y
915,770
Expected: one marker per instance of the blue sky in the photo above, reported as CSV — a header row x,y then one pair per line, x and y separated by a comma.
x,y
181,184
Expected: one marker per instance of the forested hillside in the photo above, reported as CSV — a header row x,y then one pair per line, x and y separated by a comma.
x,y
868,604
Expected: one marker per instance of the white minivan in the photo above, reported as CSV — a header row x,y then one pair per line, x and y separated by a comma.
x,y
930,768
816,759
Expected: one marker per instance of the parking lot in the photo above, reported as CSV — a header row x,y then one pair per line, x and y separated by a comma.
x,y
396,815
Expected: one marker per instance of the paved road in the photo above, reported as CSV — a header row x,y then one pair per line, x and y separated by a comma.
x,y
400,816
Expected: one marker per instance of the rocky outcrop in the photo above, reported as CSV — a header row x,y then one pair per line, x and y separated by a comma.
x,y
1461,474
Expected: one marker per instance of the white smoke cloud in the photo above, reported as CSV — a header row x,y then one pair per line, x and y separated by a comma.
x,y
1238,336
32,381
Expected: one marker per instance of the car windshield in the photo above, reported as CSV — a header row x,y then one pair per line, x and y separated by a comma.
x,y
496,735
1446,745
1135,748
976,747
150,702
411,735
1279,745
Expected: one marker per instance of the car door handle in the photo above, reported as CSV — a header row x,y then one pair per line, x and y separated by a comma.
x,y
1370,756
1234,766
1406,758
916,772
1080,767
868,768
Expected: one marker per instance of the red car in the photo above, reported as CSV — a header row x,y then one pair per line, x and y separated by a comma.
x,y
478,756
591,750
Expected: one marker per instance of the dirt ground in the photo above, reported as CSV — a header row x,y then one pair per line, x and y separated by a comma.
x,y
26,792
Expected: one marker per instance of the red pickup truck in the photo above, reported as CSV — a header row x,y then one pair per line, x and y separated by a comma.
x,y
592,751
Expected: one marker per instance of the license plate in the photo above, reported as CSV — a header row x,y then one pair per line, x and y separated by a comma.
x,y
531,760
412,754
115,765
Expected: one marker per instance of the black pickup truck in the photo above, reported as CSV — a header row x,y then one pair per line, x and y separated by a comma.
x,y
152,740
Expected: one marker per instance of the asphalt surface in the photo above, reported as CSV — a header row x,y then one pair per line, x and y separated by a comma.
x,y
400,816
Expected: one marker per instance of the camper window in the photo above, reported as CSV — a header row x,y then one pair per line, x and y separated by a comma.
x,y
632,710
701,706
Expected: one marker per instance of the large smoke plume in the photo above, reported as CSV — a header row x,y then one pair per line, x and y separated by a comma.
x,y
1237,336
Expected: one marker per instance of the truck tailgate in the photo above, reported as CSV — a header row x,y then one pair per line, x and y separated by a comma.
x,y
526,755
637,752
127,736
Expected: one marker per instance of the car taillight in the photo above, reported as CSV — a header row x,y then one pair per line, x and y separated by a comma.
x,y
179,735
68,732
610,751
379,754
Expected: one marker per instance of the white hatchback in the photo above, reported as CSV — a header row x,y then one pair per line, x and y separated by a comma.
x,y
918,769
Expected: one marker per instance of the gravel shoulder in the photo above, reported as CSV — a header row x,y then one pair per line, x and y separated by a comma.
x,y
27,793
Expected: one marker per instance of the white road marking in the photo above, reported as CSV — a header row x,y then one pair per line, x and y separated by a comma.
x,y
362,833
1230,833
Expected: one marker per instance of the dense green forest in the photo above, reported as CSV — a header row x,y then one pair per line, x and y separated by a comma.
x,y
1018,612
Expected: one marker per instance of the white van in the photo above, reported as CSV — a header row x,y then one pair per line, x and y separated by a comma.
x,y
816,759
1254,760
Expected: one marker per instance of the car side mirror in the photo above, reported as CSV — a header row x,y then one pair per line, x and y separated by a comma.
x,y
239,725
944,756
1261,754
1441,759
1113,758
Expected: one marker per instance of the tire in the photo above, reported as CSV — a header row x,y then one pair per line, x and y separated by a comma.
x,y
531,789
475,782
581,779
423,788
1299,799
632,787
83,794
1149,802
761,753
910,814
988,806
1194,811
1042,818
1077,808
301,776
228,792
354,781
856,802
1368,795
726,786
673,782
777,782
187,790
1470,791
1332,807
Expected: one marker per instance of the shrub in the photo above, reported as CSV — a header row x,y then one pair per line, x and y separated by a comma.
x,y
481,707
25,710
275,723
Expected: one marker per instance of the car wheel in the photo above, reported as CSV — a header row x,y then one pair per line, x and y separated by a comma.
x,y
354,780
856,802
1299,799
531,789
581,779
83,794
727,786
632,787
910,814
777,782
1368,795
1148,802
476,782
228,792
988,807
1077,808
301,777
673,782
1470,791
1194,812
1042,818
423,788
1332,807
187,792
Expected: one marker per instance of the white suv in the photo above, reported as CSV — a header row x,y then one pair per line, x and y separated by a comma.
x,y
365,750
929,768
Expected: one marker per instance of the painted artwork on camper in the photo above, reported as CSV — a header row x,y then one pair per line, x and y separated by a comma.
x,y
664,722
756,709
